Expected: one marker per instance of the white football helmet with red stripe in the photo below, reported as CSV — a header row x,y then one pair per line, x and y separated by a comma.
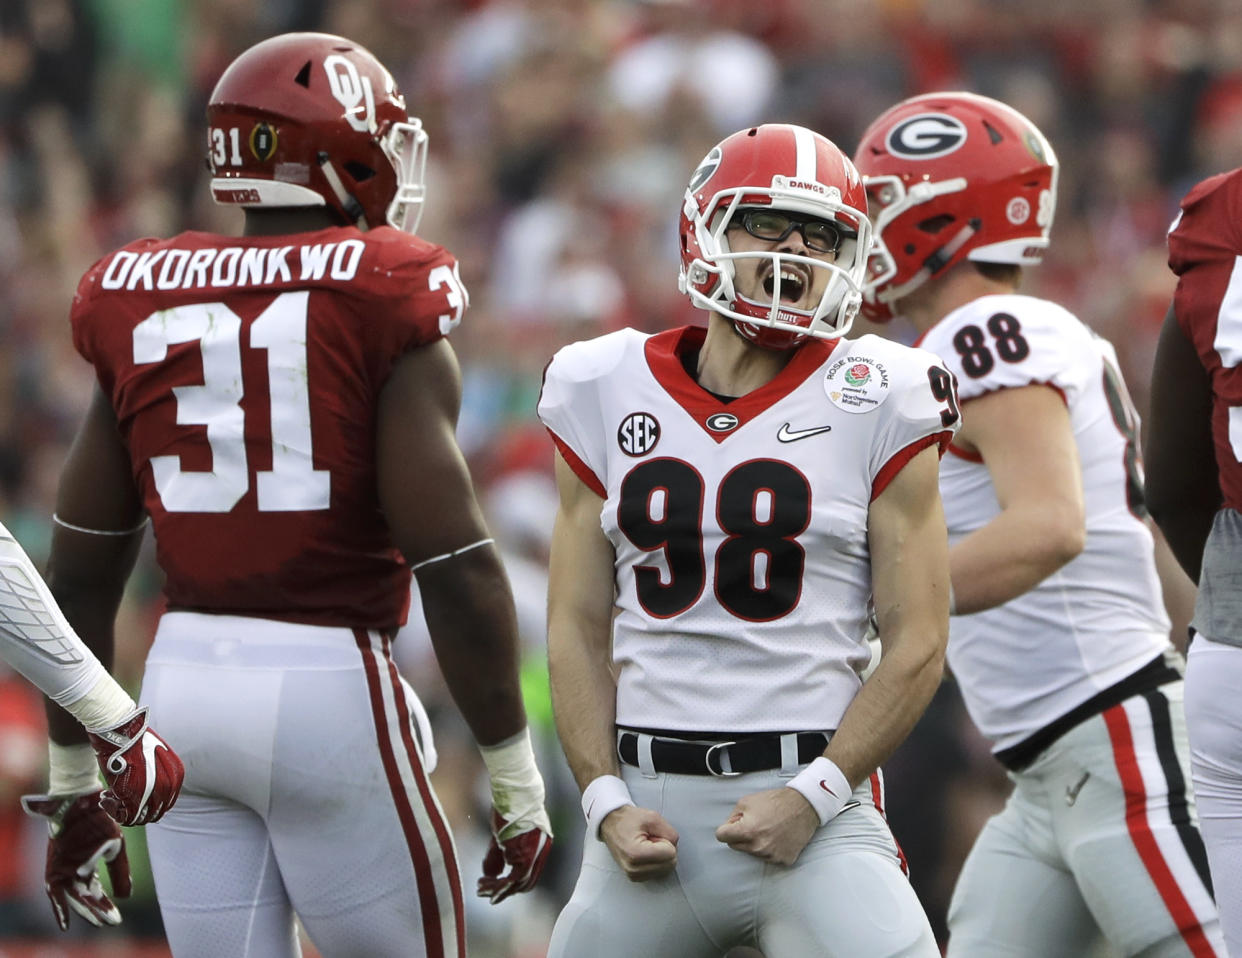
x,y
952,177
781,167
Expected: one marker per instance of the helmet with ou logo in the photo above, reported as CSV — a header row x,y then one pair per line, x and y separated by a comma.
x,y
951,177
781,167
311,119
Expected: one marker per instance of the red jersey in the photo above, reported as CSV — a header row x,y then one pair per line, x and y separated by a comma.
x,y
245,374
1205,250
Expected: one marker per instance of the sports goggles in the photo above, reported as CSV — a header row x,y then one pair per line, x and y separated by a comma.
x,y
775,225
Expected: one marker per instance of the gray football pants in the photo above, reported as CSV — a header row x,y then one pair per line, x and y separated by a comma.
x,y
1099,836
845,897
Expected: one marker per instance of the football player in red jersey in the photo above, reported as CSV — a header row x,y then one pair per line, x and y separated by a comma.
x,y
1194,488
282,406
731,499
1060,643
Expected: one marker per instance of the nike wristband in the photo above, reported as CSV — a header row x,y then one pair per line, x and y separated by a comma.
x,y
825,786
602,797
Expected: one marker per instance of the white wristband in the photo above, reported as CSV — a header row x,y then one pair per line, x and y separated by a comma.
x,y
71,769
602,797
825,786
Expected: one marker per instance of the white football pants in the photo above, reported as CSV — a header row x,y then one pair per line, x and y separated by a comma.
x,y
305,792
845,897
1214,721
1099,835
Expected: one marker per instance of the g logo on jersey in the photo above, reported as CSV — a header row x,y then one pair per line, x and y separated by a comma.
x,y
926,136
722,422
638,434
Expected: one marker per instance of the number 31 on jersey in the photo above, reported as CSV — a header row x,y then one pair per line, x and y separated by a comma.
x,y
293,484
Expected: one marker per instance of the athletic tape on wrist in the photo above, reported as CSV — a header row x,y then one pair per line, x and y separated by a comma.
x,y
825,786
511,761
105,706
601,798
71,769
517,786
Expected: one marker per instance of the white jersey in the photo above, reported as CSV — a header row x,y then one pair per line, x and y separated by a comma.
x,y
743,571
1100,617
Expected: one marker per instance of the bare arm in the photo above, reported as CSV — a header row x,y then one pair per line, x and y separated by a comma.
x,y
910,582
87,572
427,496
584,693
1027,444
1183,486
580,605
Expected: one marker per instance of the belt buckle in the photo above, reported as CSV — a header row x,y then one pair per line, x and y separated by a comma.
x,y
707,761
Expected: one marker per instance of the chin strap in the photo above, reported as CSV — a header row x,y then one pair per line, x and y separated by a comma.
x,y
353,209
932,265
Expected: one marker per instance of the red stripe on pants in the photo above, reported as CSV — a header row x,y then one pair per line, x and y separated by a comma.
x,y
423,877
877,799
424,789
1141,834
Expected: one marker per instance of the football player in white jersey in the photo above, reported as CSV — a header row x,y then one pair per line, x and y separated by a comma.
x,y
1195,469
142,776
731,498
1058,641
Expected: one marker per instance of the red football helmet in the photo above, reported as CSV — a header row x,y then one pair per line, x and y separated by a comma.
x,y
787,168
310,119
952,176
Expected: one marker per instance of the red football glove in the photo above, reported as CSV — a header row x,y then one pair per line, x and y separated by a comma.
x,y
524,846
81,834
142,773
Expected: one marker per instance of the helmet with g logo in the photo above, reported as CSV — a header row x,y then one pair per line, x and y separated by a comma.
x,y
950,177
782,167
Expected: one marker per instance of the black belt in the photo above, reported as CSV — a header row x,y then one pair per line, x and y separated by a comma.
x,y
736,756
1151,676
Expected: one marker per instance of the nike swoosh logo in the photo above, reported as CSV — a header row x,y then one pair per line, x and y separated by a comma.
x,y
1071,791
824,786
793,435
149,744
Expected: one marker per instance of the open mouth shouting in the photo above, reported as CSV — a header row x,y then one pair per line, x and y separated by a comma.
x,y
794,283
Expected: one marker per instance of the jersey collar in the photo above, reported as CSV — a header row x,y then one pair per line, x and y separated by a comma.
x,y
664,352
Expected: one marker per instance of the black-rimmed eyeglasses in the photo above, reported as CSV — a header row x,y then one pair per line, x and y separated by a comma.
x,y
819,235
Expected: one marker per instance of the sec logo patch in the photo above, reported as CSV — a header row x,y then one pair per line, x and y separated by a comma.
x,y
638,434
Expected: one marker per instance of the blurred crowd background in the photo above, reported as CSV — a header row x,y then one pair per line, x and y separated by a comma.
x,y
562,135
